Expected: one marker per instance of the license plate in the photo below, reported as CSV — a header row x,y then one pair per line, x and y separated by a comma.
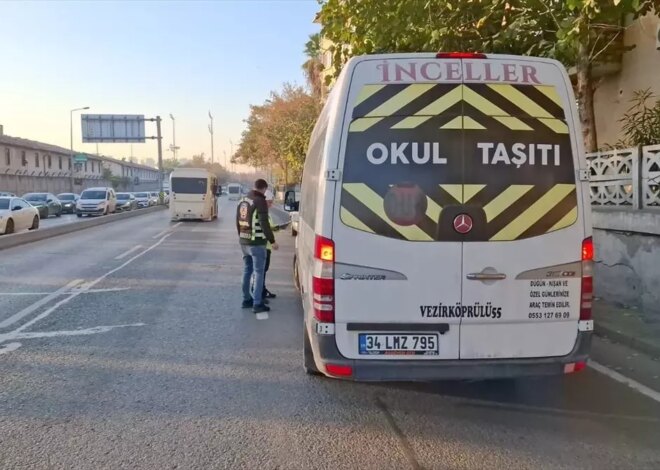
x,y
398,344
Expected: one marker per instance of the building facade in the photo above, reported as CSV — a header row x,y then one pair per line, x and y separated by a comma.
x,y
31,166
639,69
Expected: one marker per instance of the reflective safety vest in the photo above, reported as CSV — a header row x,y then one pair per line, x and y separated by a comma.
x,y
249,226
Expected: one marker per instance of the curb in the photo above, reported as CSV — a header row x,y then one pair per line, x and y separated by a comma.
x,y
627,340
18,239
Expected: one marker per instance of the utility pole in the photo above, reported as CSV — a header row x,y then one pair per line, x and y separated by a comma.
x,y
71,142
211,131
160,157
174,147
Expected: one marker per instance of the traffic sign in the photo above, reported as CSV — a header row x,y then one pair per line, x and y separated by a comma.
x,y
112,128
80,158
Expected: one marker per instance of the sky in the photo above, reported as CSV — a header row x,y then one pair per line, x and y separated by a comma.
x,y
147,57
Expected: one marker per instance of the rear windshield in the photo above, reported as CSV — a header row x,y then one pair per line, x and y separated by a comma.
x,y
418,155
4,203
142,195
189,185
123,196
35,197
93,195
66,197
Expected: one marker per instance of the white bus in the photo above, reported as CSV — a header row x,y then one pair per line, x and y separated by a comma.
x,y
234,191
193,194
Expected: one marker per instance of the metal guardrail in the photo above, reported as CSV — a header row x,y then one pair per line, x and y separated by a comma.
x,y
625,177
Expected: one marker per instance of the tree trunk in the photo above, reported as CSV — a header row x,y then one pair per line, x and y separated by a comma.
x,y
585,96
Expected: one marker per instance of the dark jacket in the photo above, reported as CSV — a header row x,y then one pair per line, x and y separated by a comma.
x,y
261,208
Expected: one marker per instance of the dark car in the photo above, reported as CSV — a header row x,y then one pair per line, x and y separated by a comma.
x,y
46,203
126,202
68,201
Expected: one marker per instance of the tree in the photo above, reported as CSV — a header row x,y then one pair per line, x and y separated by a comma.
x,y
579,33
313,66
278,132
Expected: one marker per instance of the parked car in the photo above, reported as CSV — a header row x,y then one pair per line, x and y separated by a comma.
x,y
68,201
126,202
6,194
154,200
16,214
97,201
46,203
142,199
166,196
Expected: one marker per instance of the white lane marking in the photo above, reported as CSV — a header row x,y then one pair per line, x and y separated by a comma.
x,y
81,332
160,234
128,252
73,295
10,347
167,230
643,389
7,348
31,308
91,291
262,316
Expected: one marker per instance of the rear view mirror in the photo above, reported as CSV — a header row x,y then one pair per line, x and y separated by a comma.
x,y
290,203
16,208
49,201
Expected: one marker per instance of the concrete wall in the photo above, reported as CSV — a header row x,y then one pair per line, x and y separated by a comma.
x,y
627,251
640,70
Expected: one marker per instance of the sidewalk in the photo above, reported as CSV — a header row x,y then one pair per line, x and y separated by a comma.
x,y
627,326
280,217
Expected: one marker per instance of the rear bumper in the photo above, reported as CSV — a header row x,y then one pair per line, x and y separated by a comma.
x,y
325,351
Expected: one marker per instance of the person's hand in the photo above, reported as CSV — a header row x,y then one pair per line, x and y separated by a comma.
x,y
275,246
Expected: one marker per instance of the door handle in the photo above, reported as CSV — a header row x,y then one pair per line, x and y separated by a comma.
x,y
486,276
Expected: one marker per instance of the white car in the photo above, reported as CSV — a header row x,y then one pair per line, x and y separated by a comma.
x,y
97,201
445,227
17,214
143,199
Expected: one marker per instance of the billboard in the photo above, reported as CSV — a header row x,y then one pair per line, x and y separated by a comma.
x,y
112,128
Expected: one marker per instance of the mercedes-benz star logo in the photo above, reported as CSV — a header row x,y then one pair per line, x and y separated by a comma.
x,y
463,223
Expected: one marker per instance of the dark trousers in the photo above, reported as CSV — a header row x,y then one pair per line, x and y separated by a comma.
x,y
266,269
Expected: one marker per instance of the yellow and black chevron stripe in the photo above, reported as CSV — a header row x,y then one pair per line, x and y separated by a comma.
x,y
510,212
465,106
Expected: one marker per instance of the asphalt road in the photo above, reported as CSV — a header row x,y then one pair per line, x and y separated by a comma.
x,y
146,360
53,221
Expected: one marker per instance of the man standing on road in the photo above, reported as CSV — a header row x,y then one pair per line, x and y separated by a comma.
x,y
269,200
254,232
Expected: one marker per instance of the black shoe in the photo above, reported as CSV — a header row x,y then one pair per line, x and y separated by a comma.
x,y
259,308
247,303
268,294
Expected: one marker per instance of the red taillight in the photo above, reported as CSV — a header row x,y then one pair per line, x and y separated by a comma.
x,y
339,370
324,249
587,287
572,367
323,280
460,55
588,249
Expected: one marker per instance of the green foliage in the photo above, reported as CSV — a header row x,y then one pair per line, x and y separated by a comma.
x,y
200,161
641,123
578,33
278,131
548,28
313,67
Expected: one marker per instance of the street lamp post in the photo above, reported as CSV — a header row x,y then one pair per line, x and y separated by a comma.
x,y
174,149
71,143
211,131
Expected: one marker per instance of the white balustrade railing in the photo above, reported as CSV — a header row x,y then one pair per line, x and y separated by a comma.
x,y
626,177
